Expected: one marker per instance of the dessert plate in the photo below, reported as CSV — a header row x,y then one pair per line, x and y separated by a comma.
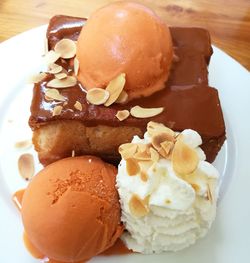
x,y
229,238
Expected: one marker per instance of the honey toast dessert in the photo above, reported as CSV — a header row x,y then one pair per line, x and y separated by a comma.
x,y
80,127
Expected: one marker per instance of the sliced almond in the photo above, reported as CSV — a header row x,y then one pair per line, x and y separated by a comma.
x,y
154,155
73,153
54,68
140,112
127,150
122,115
48,98
142,147
168,202
209,194
61,75
115,88
144,176
132,167
66,48
97,96
54,94
154,128
37,77
138,207
123,97
196,187
23,144
76,66
78,105
70,81
143,153
51,57
166,149
26,166
185,159
160,138
46,46
57,110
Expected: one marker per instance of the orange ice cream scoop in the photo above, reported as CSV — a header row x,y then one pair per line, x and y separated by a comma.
x,y
125,37
71,210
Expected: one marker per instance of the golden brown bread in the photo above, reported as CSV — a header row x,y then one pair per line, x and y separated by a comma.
x,y
58,139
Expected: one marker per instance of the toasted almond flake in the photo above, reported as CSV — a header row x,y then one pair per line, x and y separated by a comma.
x,y
54,68
57,110
196,187
23,144
142,147
26,166
121,115
166,149
37,77
127,150
168,202
132,167
48,98
54,94
167,146
73,153
154,128
160,138
78,105
65,103
61,75
123,97
46,46
154,155
209,194
51,57
145,165
185,159
66,48
70,81
97,96
115,88
144,176
137,206
140,112
76,66
143,154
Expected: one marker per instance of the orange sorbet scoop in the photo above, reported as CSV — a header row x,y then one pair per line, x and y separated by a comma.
x,y
71,210
125,37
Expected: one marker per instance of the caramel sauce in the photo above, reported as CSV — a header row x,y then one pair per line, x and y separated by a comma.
x,y
18,197
118,248
56,261
31,248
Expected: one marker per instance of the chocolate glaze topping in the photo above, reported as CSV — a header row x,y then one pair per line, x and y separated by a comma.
x,y
188,100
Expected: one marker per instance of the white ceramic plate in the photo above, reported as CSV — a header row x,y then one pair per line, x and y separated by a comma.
x,y
229,239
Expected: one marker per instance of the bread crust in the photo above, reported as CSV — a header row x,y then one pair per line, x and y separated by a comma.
x,y
59,139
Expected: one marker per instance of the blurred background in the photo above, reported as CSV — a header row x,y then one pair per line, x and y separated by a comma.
x,y
227,20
